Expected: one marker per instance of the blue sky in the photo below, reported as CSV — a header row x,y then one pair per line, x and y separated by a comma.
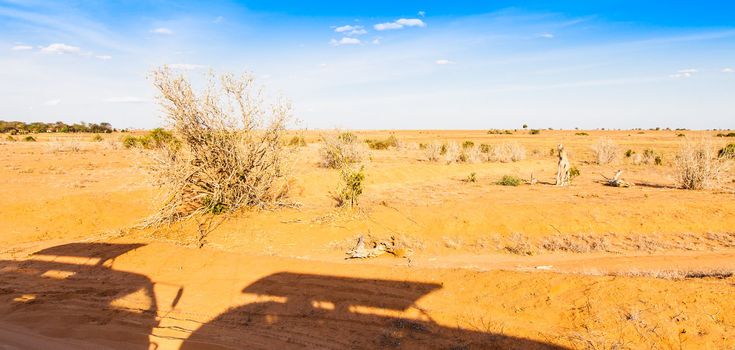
x,y
382,64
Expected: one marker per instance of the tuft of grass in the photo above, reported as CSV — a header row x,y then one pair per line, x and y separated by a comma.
x,y
97,138
297,141
507,152
509,180
730,134
519,244
472,177
534,132
573,173
468,144
582,134
10,138
629,153
29,138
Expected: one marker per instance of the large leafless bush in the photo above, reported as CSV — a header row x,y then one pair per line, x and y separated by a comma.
x,y
227,152
699,167
606,151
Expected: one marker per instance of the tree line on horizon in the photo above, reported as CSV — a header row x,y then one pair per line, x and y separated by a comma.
x,y
16,127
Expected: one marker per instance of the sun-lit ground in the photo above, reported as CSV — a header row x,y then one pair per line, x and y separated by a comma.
x,y
584,266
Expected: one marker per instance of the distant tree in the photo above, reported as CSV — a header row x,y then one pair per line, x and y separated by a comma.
x,y
525,126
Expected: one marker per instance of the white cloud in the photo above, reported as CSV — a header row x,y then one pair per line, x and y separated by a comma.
x,y
728,70
60,49
345,41
684,73
125,99
547,35
376,41
350,30
103,57
53,102
21,48
422,13
162,30
401,23
185,66
444,62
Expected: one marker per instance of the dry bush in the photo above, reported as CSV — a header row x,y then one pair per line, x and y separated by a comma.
x,y
649,157
64,147
228,152
507,152
452,152
519,244
339,150
433,151
471,154
575,243
698,166
605,150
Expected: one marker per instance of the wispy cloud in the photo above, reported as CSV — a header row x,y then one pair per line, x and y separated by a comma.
x,y
444,62
728,70
21,48
399,24
162,31
547,35
422,13
125,99
53,102
60,49
350,30
684,73
345,41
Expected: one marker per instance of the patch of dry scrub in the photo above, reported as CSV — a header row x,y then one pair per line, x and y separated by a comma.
x,y
698,166
339,150
228,152
506,152
606,151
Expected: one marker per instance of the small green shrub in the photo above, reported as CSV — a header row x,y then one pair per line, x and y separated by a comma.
x,y
97,138
347,137
730,134
29,138
534,131
574,172
468,144
485,148
390,141
129,141
509,180
727,152
582,134
10,138
351,190
680,135
629,153
499,132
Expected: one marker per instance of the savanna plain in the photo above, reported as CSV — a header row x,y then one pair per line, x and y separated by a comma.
x,y
461,247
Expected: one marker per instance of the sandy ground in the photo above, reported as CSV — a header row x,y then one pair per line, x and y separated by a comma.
x,y
594,266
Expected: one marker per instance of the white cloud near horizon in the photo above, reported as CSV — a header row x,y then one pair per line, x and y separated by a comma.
x,y
345,41
162,31
728,70
684,73
60,49
21,48
547,35
444,62
103,57
400,23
